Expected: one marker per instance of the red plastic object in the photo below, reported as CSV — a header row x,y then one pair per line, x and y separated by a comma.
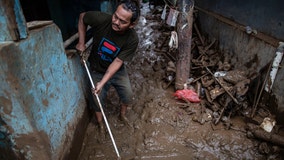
x,y
187,95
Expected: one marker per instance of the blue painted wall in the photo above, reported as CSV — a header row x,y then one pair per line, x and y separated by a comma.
x,y
12,21
41,93
41,89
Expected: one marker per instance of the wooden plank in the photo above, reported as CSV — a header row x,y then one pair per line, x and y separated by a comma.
x,y
184,30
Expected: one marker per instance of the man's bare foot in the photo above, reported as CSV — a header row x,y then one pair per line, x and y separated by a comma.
x,y
124,119
102,132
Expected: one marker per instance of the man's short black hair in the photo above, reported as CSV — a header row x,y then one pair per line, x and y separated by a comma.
x,y
133,6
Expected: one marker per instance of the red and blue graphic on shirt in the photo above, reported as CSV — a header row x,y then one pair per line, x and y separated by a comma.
x,y
108,50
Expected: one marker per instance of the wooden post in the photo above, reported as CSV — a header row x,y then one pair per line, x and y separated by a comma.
x,y
184,30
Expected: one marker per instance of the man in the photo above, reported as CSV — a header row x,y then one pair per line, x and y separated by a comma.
x,y
114,41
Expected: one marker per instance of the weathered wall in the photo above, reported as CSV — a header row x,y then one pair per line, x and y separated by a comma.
x,y
251,52
262,15
41,97
12,21
65,13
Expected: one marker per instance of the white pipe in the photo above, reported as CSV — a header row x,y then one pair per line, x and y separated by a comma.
x,y
275,66
73,38
70,40
102,111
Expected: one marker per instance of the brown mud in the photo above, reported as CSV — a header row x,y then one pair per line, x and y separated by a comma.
x,y
159,127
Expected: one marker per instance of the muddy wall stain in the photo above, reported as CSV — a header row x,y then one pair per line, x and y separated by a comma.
x,y
7,103
41,88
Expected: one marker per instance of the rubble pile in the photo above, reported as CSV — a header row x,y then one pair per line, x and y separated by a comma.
x,y
224,91
223,88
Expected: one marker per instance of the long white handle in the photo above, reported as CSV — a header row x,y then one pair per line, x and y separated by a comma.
x,y
100,105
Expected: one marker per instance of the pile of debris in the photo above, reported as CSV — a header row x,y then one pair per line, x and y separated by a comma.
x,y
222,88
224,91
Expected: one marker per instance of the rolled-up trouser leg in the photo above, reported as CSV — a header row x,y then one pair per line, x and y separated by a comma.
x,y
120,81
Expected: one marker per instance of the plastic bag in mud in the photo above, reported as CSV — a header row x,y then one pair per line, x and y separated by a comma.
x,y
187,95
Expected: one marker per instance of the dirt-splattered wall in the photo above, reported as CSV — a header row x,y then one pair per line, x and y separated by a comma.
x,y
41,94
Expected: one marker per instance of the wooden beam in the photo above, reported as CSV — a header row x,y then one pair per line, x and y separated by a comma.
x,y
184,30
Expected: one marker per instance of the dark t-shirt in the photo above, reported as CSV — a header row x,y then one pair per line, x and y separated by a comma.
x,y
108,44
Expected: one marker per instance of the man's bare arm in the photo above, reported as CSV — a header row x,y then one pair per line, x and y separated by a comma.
x,y
82,33
112,69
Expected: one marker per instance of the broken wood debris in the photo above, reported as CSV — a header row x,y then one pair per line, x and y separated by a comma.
x,y
222,86
263,135
223,89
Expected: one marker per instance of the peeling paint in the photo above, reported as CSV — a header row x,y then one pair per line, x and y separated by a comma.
x,y
42,92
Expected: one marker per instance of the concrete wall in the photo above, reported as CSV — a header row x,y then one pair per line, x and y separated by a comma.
x,y
12,21
226,21
42,96
262,15
65,13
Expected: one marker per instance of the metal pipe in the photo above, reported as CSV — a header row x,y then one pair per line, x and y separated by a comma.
x,y
72,38
262,87
275,66
234,99
101,108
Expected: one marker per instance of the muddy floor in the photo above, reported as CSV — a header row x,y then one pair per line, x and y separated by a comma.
x,y
159,127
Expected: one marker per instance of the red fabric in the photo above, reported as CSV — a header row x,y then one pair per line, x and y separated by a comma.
x,y
187,95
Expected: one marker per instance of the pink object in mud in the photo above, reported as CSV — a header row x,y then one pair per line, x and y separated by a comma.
x,y
187,95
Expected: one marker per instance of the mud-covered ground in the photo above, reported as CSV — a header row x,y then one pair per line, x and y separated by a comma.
x,y
159,127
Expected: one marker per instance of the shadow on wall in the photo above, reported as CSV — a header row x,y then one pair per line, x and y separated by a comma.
x,y
71,10
262,15
5,143
64,13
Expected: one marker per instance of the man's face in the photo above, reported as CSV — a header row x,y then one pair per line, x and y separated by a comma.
x,y
121,19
